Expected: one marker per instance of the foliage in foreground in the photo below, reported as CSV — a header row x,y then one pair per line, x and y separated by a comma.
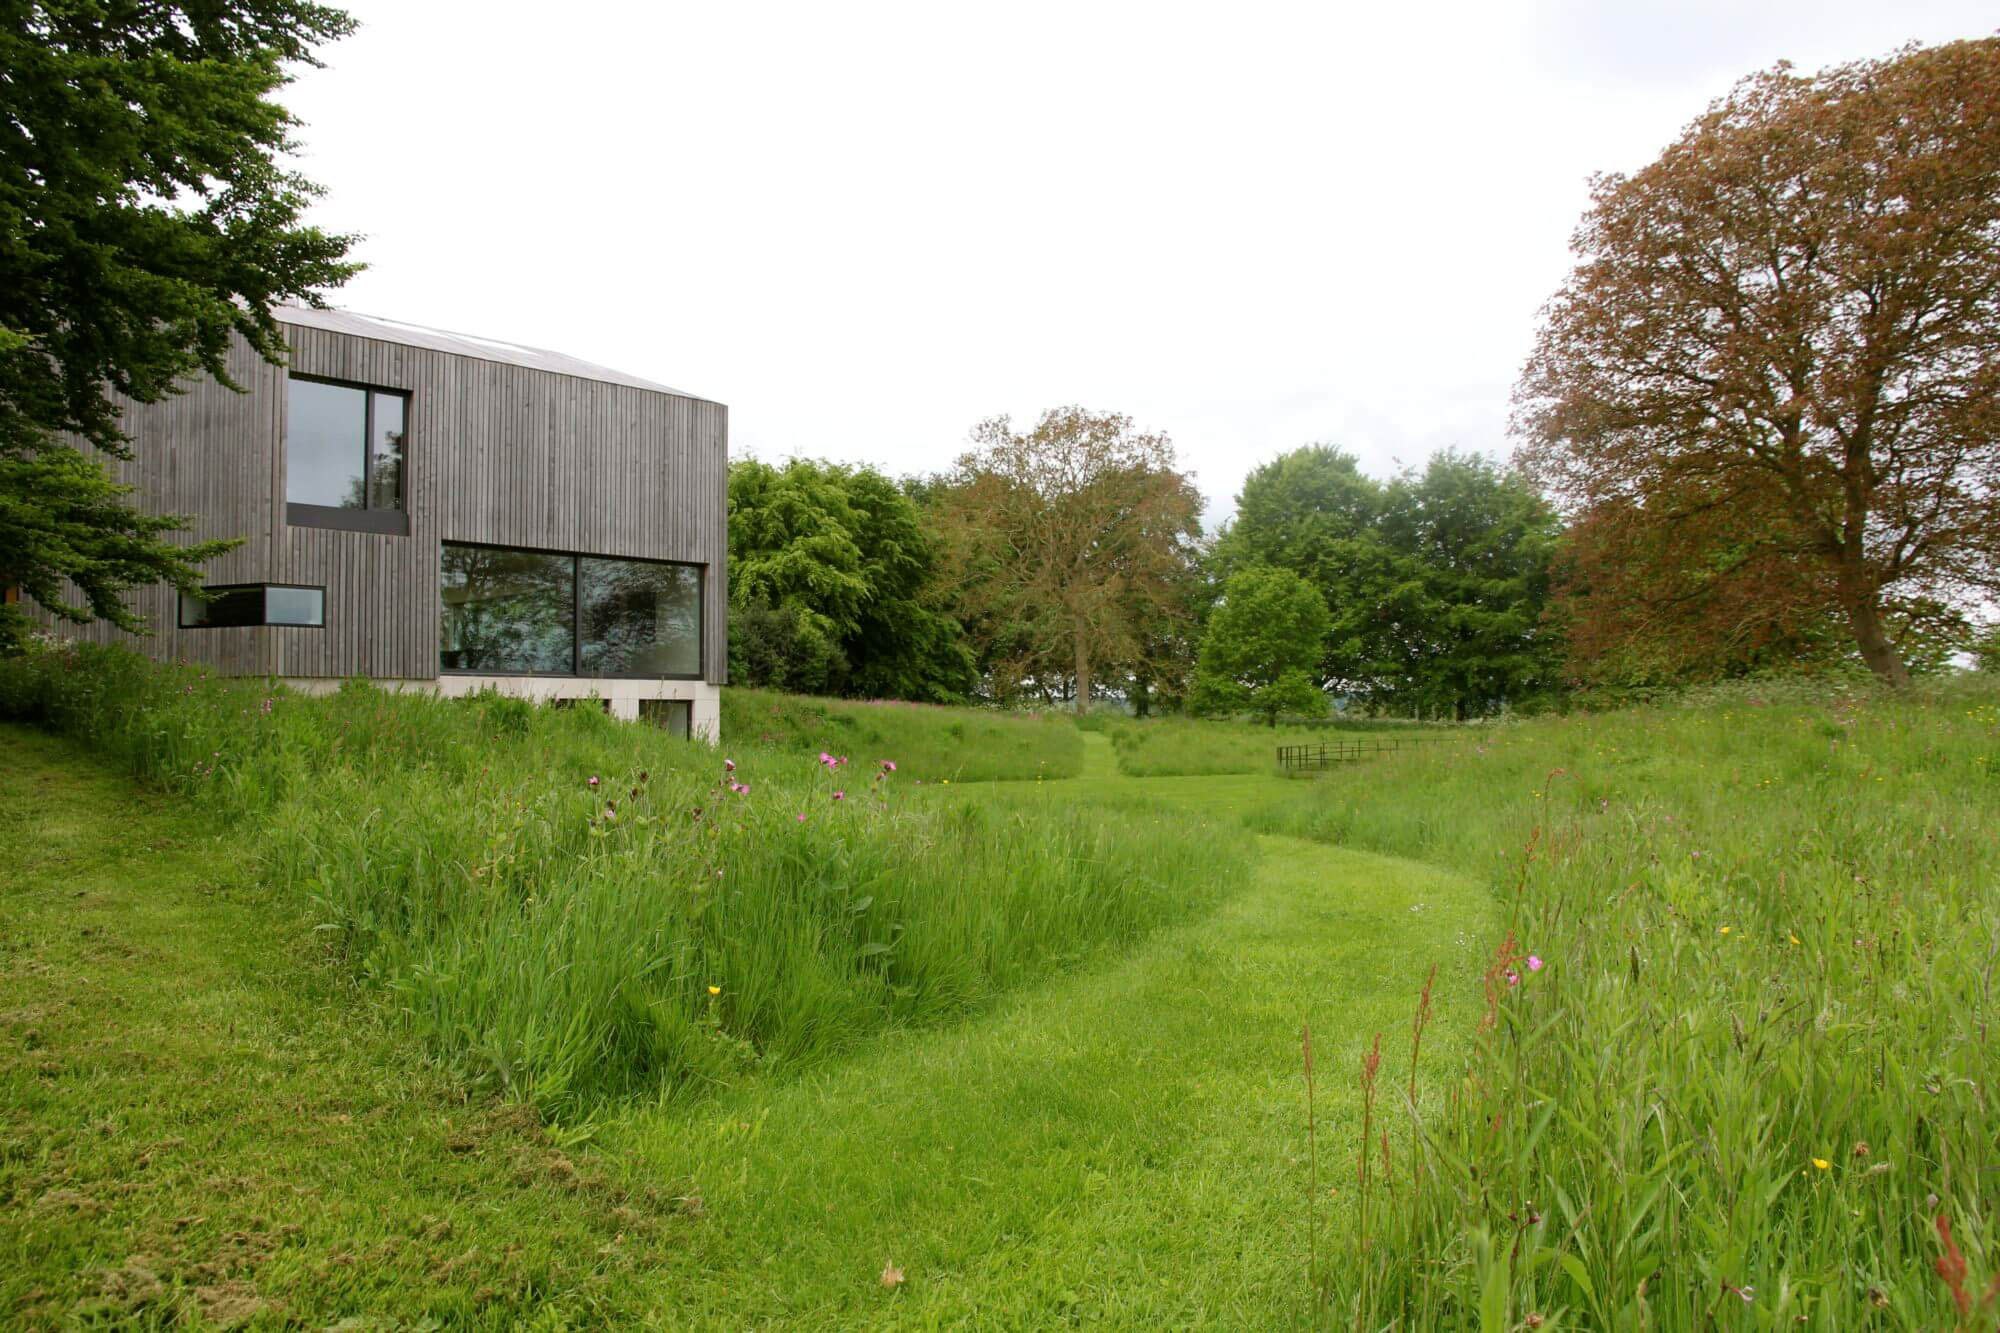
x,y
579,909
928,742
146,217
1736,1063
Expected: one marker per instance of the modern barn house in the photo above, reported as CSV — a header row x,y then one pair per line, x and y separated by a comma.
x,y
438,511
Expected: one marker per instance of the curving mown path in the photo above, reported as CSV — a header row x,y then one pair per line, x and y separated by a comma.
x,y
194,1122
1124,1146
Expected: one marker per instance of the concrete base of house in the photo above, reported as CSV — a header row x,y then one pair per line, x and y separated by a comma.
x,y
621,698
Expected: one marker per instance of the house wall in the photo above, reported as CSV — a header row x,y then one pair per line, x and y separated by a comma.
x,y
498,453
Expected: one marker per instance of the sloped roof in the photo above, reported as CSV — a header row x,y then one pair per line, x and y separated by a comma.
x,y
459,344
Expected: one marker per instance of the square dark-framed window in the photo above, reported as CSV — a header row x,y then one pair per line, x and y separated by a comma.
x,y
346,456
511,611
230,605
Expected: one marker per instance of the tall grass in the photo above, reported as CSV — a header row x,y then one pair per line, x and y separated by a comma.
x,y
1178,746
577,909
929,741
1735,1066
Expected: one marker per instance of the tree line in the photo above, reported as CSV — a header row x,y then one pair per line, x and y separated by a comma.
x,y
1759,428
1066,562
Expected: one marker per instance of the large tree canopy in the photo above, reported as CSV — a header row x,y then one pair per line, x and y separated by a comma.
x,y
833,586
1436,582
1473,546
143,219
1263,647
1773,380
1074,546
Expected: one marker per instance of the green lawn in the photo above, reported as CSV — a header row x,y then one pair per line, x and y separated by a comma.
x,y
1708,1045
929,742
206,1118
1179,746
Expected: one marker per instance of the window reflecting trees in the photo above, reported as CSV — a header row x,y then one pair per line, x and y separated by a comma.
x,y
508,610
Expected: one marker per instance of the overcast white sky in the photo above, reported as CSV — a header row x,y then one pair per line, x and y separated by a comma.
x,y
865,227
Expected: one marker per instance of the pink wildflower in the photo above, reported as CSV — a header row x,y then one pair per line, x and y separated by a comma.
x,y
840,796
889,765
729,765
593,782
1534,963
802,816
826,758
1513,977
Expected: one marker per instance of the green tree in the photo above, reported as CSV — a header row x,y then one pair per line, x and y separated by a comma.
x,y
1776,366
144,219
1314,512
1474,546
834,589
1072,544
1437,582
1263,643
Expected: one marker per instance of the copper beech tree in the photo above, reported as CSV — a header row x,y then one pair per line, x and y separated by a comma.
x,y
1073,540
1767,394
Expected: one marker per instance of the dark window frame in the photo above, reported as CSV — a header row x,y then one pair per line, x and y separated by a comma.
x,y
389,522
264,622
576,613
686,729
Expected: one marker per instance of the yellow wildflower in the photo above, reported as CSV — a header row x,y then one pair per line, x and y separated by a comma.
x,y
715,990
1822,1163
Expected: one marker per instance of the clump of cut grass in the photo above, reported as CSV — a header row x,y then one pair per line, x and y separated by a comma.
x,y
1735,1060
577,909
931,742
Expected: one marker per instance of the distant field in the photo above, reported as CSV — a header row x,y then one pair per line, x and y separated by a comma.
x,y
1184,747
926,741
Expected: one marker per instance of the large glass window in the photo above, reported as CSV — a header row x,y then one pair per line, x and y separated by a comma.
x,y
639,618
344,450
253,604
507,610
538,612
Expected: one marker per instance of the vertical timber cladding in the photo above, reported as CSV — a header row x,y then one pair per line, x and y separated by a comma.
x,y
211,454
511,455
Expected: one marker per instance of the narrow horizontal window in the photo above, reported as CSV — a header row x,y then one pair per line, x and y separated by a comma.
x,y
231,605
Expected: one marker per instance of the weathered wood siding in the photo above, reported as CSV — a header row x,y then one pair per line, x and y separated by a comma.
x,y
497,452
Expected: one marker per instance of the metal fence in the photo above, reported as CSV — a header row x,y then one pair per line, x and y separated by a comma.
x,y
1325,754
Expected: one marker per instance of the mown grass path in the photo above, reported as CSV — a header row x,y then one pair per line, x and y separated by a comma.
x,y
203,1120
1121,1147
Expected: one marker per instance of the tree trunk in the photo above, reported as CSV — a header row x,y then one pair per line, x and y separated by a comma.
x,y
1864,616
1082,672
